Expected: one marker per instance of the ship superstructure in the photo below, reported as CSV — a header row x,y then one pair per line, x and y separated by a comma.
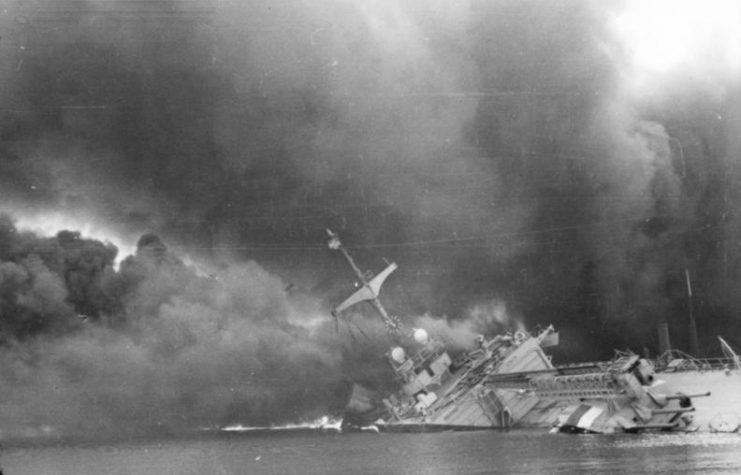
x,y
437,393
506,381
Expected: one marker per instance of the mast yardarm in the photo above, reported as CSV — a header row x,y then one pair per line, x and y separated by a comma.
x,y
371,287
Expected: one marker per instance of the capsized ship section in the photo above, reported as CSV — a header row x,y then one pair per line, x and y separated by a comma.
x,y
719,378
506,381
437,392
622,395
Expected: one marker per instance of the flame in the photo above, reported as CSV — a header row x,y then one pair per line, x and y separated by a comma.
x,y
322,423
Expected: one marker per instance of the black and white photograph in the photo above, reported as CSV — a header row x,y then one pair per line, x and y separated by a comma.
x,y
372,237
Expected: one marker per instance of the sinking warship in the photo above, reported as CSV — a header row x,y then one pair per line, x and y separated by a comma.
x,y
506,381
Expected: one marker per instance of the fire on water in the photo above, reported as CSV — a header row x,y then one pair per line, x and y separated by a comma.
x,y
323,423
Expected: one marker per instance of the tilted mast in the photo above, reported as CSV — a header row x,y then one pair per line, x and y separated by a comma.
x,y
371,287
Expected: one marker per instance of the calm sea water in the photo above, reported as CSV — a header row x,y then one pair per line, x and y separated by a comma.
x,y
308,453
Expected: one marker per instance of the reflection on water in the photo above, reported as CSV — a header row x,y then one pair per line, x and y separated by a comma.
x,y
322,452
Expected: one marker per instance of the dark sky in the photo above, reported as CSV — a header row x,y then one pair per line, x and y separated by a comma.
x,y
512,156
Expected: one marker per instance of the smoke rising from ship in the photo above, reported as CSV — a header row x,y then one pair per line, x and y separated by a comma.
x,y
152,347
498,151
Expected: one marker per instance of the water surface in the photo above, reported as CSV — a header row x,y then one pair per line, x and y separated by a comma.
x,y
310,453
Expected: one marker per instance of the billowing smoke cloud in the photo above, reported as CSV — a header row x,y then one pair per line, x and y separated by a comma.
x,y
495,150
482,319
152,347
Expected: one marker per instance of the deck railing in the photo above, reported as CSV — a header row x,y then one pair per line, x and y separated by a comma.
x,y
695,364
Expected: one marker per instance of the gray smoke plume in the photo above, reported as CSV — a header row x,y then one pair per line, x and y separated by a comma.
x,y
152,347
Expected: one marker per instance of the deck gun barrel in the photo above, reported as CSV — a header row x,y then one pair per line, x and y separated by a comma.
x,y
682,396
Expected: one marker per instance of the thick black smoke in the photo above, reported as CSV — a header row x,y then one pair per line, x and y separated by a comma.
x,y
492,148
153,347
159,347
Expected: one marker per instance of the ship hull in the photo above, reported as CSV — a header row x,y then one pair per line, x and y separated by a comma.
x,y
522,389
721,411
465,401
422,428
